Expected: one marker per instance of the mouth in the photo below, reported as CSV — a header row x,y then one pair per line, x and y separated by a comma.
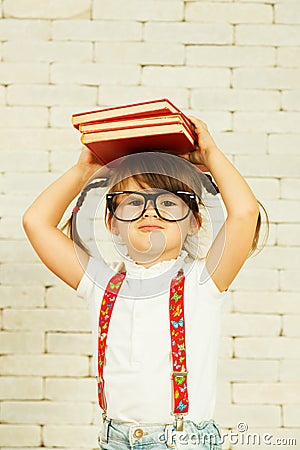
x,y
150,227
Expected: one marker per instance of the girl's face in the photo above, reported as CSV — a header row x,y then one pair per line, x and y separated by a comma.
x,y
151,239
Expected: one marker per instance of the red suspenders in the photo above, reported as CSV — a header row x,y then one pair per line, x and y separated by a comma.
x,y
177,334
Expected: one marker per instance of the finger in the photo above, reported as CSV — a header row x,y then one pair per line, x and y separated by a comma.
x,y
197,122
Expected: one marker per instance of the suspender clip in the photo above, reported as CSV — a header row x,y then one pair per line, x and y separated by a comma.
x,y
179,422
179,373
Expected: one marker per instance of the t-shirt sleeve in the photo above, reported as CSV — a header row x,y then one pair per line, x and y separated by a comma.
x,y
205,279
86,284
95,274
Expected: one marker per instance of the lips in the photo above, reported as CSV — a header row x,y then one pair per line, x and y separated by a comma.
x,y
150,227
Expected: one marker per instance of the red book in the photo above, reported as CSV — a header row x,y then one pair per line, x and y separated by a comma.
x,y
158,107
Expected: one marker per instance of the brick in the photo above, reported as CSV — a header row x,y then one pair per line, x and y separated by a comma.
x,y
135,10
248,370
96,30
23,73
95,74
235,143
290,15
21,388
51,51
269,393
291,325
21,342
285,143
258,415
289,281
59,159
45,365
49,95
28,161
256,279
229,55
2,95
24,117
10,228
288,56
46,412
40,139
266,78
231,13
70,436
265,35
24,274
291,415
275,257
283,210
266,302
139,53
267,166
288,234
20,435
117,95
14,183
81,389
13,29
50,320
21,297
235,99
188,33
14,205
267,348
52,10
185,76
270,121
290,370
264,188
236,324
226,347
290,188
290,100
70,343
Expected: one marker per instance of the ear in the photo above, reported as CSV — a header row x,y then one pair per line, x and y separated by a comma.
x,y
194,226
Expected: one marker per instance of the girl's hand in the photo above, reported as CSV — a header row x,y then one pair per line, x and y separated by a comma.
x,y
204,145
88,159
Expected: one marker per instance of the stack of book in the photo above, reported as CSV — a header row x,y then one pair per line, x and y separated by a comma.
x,y
156,125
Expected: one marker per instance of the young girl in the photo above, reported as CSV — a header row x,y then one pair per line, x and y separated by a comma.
x,y
155,315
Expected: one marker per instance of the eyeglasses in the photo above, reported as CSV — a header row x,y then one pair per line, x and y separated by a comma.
x,y
128,206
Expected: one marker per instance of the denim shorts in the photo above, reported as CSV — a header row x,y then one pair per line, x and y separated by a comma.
x,y
116,435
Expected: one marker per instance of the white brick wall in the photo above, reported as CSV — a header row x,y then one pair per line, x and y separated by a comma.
x,y
235,64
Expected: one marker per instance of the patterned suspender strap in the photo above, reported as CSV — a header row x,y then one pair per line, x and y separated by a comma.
x,y
177,331
107,305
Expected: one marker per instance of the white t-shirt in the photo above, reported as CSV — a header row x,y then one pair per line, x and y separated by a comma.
x,y
138,361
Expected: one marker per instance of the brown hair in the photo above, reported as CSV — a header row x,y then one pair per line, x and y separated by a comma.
x,y
156,170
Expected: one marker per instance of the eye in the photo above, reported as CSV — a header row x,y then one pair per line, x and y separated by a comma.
x,y
168,203
135,202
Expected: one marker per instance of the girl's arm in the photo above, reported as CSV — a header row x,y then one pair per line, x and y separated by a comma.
x,y
58,252
232,245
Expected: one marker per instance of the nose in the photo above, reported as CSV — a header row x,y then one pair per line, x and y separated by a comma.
x,y
150,208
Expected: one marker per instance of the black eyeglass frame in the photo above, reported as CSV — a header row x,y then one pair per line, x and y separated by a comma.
x,y
153,197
